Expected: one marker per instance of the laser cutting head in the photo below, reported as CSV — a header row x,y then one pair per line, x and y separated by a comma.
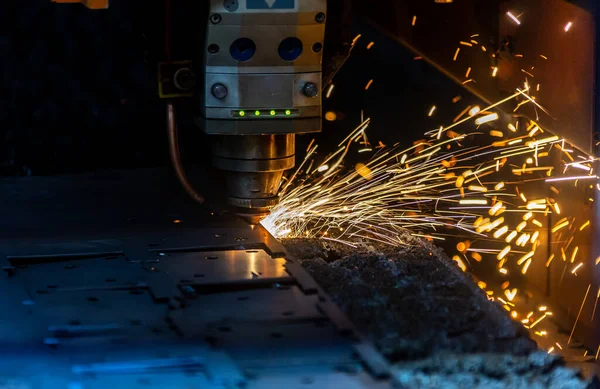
x,y
262,73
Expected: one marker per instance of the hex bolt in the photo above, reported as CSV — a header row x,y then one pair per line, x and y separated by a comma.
x,y
219,91
215,18
320,17
310,89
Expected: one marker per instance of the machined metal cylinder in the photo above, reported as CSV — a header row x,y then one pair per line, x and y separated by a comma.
x,y
253,166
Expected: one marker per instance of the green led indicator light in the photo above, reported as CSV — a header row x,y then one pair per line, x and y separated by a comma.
x,y
242,113
272,113
288,112
256,113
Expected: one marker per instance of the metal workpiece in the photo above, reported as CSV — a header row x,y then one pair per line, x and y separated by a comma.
x,y
152,290
253,166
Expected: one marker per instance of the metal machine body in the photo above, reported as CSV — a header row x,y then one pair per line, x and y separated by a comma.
x,y
262,75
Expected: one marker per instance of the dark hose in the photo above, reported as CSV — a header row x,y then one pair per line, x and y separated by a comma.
x,y
175,156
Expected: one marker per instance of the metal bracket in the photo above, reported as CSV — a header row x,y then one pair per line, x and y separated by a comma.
x,y
176,79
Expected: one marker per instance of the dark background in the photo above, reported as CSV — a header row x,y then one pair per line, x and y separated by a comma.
x,y
79,89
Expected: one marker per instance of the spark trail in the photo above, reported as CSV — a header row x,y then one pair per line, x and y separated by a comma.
x,y
490,183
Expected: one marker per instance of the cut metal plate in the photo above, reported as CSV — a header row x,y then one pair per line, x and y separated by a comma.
x,y
222,310
216,266
43,274
151,290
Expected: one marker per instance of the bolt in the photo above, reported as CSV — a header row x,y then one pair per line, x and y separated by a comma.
x,y
231,5
219,91
184,79
317,47
320,17
215,18
213,48
310,89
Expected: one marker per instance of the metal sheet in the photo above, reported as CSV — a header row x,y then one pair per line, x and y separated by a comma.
x,y
267,305
109,272
88,289
216,266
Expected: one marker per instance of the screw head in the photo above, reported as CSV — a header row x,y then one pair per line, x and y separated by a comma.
x,y
213,48
231,5
215,18
310,89
317,47
184,79
219,91
320,17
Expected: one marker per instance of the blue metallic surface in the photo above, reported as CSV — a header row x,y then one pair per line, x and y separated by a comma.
x,y
271,4
118,280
